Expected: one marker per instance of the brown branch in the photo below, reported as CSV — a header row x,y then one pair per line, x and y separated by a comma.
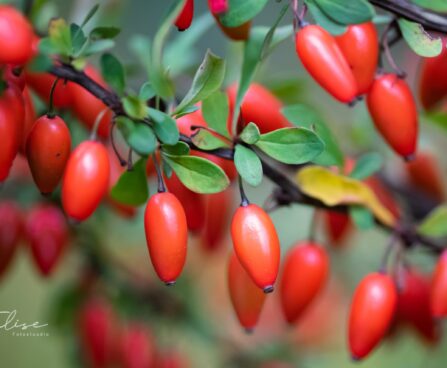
x,y
431,20
287,191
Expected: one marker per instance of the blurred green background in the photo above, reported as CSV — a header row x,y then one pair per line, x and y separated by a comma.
x,y
211,337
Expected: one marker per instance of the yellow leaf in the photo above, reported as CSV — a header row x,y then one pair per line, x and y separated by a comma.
x,y
333,189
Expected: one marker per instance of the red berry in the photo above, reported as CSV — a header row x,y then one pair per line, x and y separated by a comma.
x,y
325,62
16,36
41,84
371,313
259,106
439,288
166,235
256,245
246,297
12,115
87,107
337,226
393,110
218,208
14,75
47,149
413,306
10,231
360,46
47,233
30,117
136,348
85,180
433,79
305,273
97,332
424,174
184,19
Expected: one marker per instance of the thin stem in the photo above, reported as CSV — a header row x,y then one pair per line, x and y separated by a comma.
x,y
244,200
211,130
51,114
386,48
122,161
313,225
94,133
161,184
387,253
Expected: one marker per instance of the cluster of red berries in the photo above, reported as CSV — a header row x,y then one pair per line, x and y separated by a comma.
x,y
345,66
106,340
44,229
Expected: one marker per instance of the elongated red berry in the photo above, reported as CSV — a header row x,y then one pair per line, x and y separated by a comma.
x,y
12,115
97,332
413,306
47,233
371,314
325,62
10,231
256,245
16,36
305,273
259,106
166,235
393,111
47,150
433,79
184,20
85,180
337,226
360,46
247,298
439,288
136,347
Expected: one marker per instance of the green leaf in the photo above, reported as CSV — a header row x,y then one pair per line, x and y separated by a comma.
x,y
304,116
146,92
187,111
269,37
250,134
252,56
113,72
139,136
178,149
90,15
205,140
240,12
215,112
324,21
40,63
346,11
419,41
198,174
157,73
97,47
132,188
436,5
367,165
78,38
435,224
134,107
165,126
60,35
248,165
104,33
362,217
291,145
208,78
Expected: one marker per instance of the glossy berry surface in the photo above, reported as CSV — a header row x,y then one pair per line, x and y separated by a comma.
x,y
256,244
393,111
305,273
166,235
184,19
323,59
85,180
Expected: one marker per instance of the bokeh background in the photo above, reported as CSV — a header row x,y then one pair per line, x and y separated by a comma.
x,y
208,333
